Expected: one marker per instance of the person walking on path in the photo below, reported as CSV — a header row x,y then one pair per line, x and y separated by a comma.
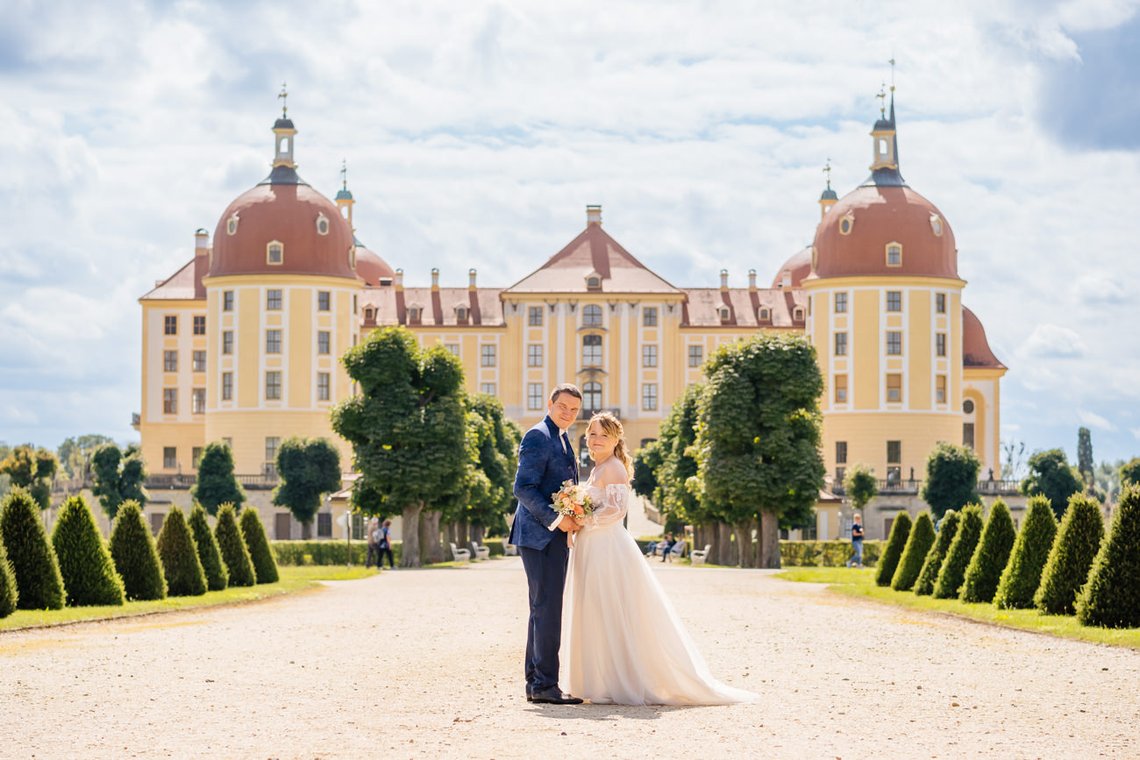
x,y
856,542
384,546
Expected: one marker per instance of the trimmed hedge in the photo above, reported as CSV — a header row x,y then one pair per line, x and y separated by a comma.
x,y
135,554
88,571
953,572
9,593
184,575
1022,575
264,568
232,548
917,547
928,575
38,582
1111,598
990,558
826,553
900,532
208,554
1070,559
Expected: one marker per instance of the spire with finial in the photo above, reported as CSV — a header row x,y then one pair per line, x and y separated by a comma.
x,y
344,200
828,198
884,141
284,167
283,96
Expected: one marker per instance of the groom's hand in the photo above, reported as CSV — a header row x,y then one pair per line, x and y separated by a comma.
x,y
569,526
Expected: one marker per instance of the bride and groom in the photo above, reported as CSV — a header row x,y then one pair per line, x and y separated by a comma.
x,y
624,641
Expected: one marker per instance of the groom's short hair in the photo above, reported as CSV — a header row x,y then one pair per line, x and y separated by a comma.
x,y
565,388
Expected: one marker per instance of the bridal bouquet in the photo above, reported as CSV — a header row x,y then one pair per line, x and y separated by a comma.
x,y
573,501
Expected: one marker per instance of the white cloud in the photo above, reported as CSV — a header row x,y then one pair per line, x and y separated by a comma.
x,y
1094,420
1053,342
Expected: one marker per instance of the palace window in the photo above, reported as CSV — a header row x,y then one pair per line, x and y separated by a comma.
x,y
592,315
936,225
272,443
170,401
227,341
323,390
894,461
534,355
940,344
724,313
272,341
227,386
894,343
534,316
894,300
940,303
169,457
593,282
592,397
198,401
649,356
841,344
968,434
275,253
227,300
841,389
798,314
649,396
534,396
894,255
841,452
232,225
200,324
487,388
696,356
591,350
968,406
846,224
170,325
324,342
461,314
273,299
195,456
765,314
414,315
840,303
894,388
487,355
649,316
198,361
940,389
273,385
322,224
453,348
323,300
169,361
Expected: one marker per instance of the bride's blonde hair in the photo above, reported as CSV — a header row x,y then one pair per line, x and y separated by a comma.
x,y
611,426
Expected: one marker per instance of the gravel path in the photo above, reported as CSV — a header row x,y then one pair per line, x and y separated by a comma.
x,y
428,663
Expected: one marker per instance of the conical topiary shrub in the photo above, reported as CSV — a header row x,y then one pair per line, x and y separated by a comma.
x,y
180,565
1074,549
889,561
1111,598
928,575
9,593
1022,575
135,555
990,558
233,549
88,571
264,566
960,553
917,547
38,582
216,576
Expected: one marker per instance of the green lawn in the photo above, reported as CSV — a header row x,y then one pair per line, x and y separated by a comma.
x,y
293,579
861,584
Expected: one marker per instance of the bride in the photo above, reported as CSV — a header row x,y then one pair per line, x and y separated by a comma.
x,y
626,644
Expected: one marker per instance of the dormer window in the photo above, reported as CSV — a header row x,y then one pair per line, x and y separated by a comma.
x,y
936,225
232,225
846,224
461,314
765,314
369,314
415,315
322,224
275,253
724,313
593,281
894,254
798,314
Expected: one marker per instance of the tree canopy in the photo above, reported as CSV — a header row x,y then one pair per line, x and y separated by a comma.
x,y
76,452
492,458
860,484
677,492
1051,475
32,469
951,478
308,468
216,482
119,476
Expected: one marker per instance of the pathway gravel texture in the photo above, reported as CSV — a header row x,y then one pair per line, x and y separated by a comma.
x,y
428,663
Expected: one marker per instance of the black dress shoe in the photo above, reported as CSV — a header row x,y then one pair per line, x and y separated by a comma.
x,y
554,696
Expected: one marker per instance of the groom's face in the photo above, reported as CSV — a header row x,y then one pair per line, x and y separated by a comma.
x,y
564,410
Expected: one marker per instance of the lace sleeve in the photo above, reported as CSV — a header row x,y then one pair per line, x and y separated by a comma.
x,y
613,505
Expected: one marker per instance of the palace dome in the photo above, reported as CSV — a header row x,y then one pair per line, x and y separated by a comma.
x,y
795,268
373,269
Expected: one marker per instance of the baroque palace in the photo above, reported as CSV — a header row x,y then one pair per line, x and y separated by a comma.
x,y
242,344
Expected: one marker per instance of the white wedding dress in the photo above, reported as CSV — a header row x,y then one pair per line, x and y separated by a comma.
x,y
622,640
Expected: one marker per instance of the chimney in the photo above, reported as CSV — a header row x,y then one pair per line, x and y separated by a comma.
x,y
471,279
786,280
201,242
593,214
724,279
399,279
752,280
435,278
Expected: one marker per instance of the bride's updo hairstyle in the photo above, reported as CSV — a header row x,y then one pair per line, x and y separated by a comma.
x,y
611,426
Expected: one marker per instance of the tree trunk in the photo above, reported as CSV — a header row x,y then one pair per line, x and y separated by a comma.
x,y
723,545
462,533
410,556
769,539
743,530
431,547
478,533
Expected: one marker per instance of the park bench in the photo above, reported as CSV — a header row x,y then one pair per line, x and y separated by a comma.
x,y
460,555
698,556
480,552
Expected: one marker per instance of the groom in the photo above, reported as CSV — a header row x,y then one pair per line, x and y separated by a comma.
x,y
546,460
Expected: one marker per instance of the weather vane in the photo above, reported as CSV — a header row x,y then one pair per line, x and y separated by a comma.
x,y
344,174
892,62
827,171
882,96
284,96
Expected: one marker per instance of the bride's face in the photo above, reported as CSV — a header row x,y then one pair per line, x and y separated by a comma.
x,y
601,445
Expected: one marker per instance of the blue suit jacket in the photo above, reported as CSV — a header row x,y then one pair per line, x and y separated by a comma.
x,y
543,467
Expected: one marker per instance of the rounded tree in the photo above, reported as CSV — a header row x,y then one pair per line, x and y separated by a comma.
x,y
1051,476
1071,557
208,554
951,478
135,554
917,547
119,476
38,581
932,563
990,558
180,565
9,592
216,483
308,468
860,485
86,566
264,566
896,542
1111,598
961,551
1022,575
32,469
231,545
1129,472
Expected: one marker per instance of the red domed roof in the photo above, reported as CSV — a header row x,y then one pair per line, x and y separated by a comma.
x,y
797,267
284,209
875,215
371,268
975,348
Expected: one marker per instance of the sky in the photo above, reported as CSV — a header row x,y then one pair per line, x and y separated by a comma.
x,y
475,133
